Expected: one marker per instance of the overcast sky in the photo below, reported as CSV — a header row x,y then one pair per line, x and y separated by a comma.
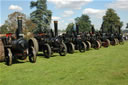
x,y
66,10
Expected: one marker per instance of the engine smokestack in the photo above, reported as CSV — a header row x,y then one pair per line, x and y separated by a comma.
x,y
77,29
56,28
93,29
19,29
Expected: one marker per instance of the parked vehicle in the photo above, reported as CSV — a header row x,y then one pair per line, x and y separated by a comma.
x,y
17,47
50,42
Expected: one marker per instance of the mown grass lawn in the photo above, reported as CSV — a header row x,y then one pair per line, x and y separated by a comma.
x,y
106,66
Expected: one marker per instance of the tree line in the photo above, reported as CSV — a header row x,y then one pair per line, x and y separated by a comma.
x,y
110,21
40,20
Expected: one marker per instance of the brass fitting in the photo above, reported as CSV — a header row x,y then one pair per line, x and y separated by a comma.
x,y
19,18
55,21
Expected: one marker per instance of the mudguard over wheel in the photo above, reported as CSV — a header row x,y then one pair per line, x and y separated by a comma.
x,y
47,51
33,42
63,50
82,47
88,45
70,48
32,55
9,57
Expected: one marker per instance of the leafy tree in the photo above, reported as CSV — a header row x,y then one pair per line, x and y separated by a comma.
x,y
69,27
29,28
41,16
10,24
3,29
83,22
111,21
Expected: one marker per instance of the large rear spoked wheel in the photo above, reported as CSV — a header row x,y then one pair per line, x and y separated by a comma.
x,y
33,42
2,51
88,45
114,42
32,55
106,43
70,48
9,57
97,45
100,42
82,47
47,51
63,50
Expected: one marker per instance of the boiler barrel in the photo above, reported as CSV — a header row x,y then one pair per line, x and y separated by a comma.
x,y
20,44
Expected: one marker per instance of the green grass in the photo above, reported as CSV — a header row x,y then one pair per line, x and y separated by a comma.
x,y
106,66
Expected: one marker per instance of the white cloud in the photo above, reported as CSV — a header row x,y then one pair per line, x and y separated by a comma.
x,y
15,7
68,13
61,23
95,16
97,13
72,20
70,4
55,18
119,4
62,26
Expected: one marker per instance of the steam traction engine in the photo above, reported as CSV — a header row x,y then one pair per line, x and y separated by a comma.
x,y
16,47
73,40
50,43
86,38
103,38
77,40
112,37
68,38
95,42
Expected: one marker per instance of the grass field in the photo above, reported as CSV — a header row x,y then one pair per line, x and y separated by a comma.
x,y
106,66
